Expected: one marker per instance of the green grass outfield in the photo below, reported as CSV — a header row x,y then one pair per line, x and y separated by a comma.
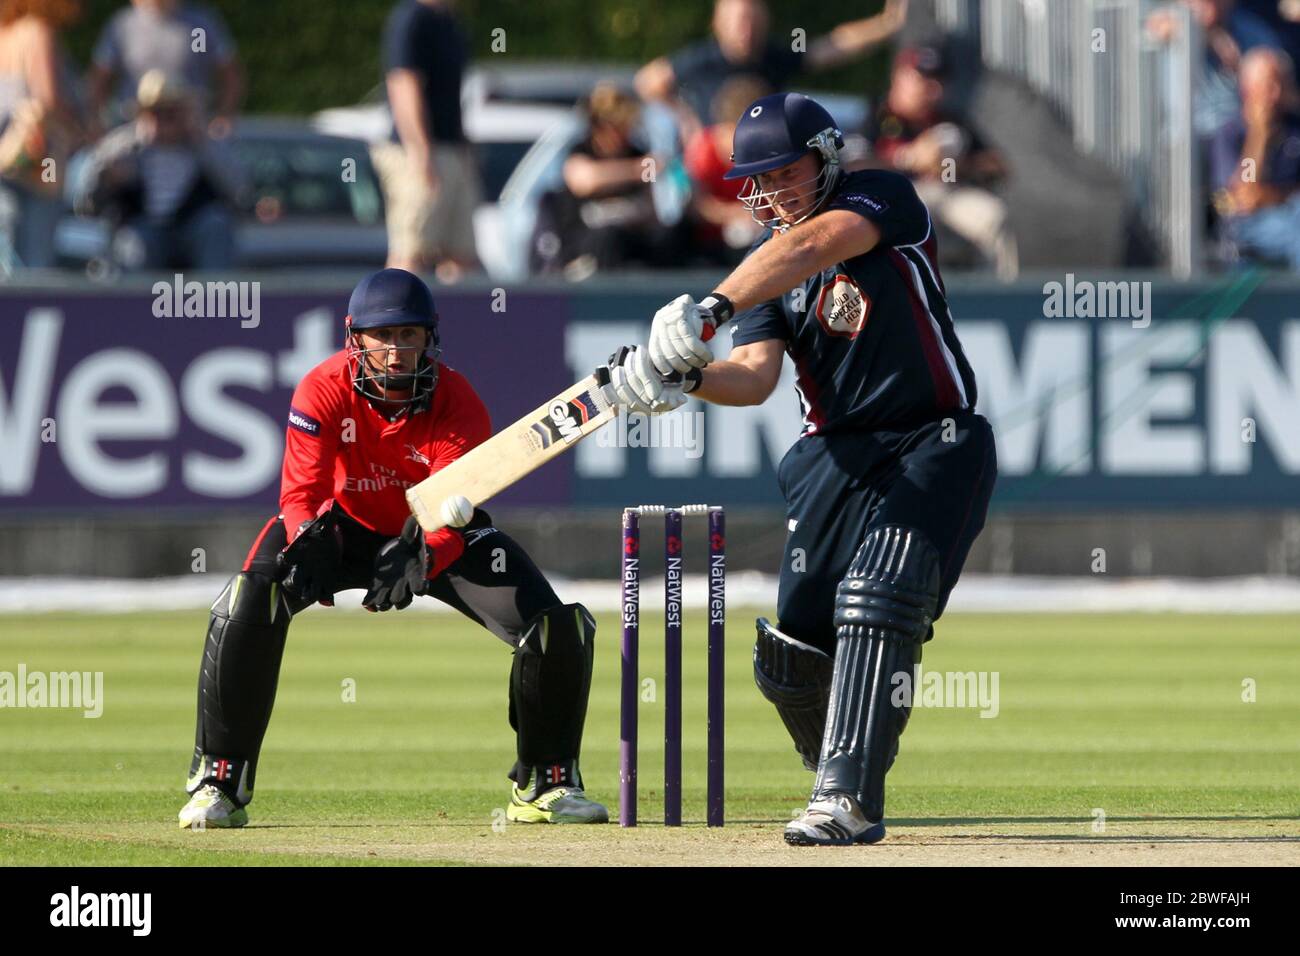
x,y
1139,718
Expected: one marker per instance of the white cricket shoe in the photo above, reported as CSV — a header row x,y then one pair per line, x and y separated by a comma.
x,y
836,820
209,807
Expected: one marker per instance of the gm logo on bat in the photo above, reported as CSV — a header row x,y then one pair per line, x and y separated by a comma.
x,y
570,429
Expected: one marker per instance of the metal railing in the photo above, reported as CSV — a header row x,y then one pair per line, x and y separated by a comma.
x,y
1126,96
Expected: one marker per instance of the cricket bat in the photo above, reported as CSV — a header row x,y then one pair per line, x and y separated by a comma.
x,y
517,450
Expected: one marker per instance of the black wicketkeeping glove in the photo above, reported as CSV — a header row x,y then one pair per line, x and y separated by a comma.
x,y
401,570
310,565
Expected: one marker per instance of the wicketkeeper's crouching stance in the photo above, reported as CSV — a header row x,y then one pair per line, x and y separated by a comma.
x,y
373,419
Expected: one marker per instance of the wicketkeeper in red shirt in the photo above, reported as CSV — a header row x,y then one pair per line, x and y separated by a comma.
x,y
367,423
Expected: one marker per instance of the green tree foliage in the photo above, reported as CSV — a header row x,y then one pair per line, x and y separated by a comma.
x,y
304,55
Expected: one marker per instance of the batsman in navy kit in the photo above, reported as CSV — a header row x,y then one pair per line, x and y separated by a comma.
x,y
889,482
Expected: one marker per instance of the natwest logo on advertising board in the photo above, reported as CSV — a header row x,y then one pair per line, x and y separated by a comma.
x,y
156,420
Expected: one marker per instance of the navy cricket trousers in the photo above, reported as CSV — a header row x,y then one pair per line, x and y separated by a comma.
x,y
936,478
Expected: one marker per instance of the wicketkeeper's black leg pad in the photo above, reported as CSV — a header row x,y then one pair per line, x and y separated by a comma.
x,y
549,684
796,678
237,680
883,610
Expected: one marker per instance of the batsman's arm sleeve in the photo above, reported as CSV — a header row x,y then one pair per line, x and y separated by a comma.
x,y
465,424
767,320
889,201
311,443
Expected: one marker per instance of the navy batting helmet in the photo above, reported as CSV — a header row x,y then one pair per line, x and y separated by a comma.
x,y
391,297
776,131
386,298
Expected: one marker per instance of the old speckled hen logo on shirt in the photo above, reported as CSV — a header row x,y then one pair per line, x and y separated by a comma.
x,y
842,307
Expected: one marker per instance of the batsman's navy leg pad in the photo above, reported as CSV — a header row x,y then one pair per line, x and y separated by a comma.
x,y
796,677
883,610
549,684
237,680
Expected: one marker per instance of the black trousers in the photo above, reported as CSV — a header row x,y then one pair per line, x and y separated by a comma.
x,y
494,583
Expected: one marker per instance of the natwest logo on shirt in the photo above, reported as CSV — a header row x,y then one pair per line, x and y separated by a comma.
x,y
877,206
842,307
303,422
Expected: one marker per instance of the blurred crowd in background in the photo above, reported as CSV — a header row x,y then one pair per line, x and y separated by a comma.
x,y
141,159
145,127
1247,121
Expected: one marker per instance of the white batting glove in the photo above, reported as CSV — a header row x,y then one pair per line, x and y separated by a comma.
x,y
679,331
639,387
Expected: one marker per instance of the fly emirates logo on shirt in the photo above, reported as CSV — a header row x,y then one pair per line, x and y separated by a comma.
x,y
379,479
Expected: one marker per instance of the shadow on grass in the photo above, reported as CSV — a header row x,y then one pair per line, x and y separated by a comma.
x,y
1155,818
977,821
1013,839
994,839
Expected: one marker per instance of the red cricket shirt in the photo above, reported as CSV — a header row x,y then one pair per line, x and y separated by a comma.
x,y
339,446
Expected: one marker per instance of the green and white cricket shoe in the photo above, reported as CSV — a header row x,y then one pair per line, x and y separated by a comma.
x,y
557,805
209,807
834,821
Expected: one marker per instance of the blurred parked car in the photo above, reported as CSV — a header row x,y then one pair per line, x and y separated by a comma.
x,y
522,121
507,109
541,170
315,201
